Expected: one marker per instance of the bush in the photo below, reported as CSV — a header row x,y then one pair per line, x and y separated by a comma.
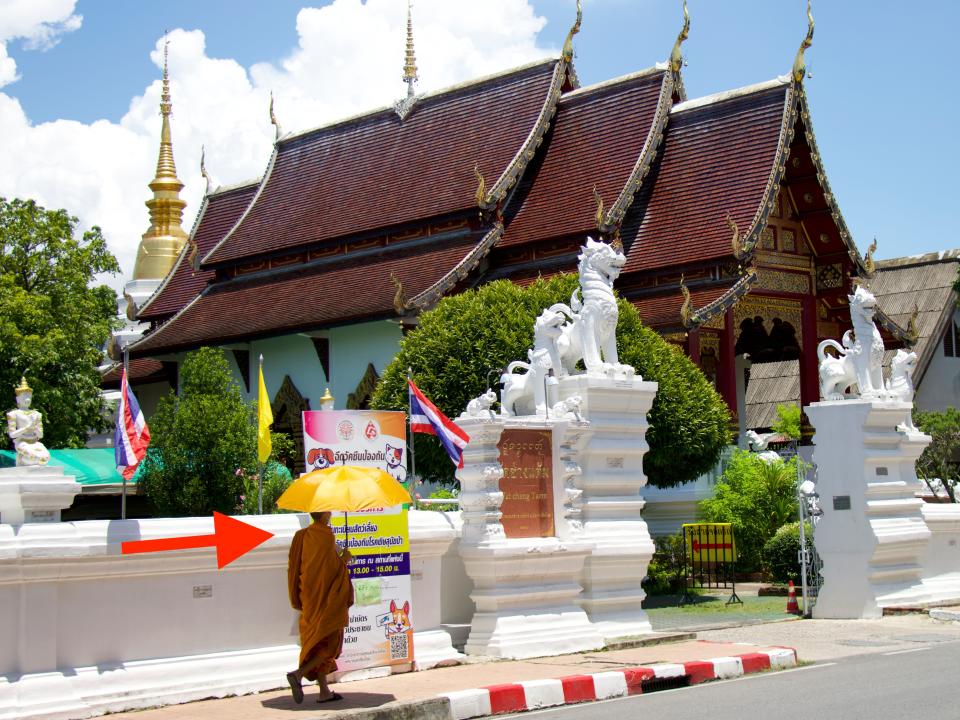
x,y
457,345
757,498
788,421
939,458
440,494
200,439
665,574
781,553
276,478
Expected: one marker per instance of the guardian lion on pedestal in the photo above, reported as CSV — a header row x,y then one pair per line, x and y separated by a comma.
x,y
860,359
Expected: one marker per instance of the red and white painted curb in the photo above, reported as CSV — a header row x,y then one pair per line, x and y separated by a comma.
x,y
537,694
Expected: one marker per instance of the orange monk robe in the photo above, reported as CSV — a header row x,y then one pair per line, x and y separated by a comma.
x,y
320,588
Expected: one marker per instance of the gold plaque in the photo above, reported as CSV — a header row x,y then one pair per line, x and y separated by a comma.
x,y
527,484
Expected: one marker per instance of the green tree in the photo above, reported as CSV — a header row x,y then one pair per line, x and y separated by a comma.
x,y
788,421
941,458
54,317
457,344
276,478
203,442
757,498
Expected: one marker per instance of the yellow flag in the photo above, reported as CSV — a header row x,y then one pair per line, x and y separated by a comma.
x,y
264,420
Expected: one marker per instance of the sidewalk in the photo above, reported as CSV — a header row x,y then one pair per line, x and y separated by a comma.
x,y
516,685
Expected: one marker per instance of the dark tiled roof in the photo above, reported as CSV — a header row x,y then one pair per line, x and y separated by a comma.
x,y
664,310
281,302
771,384
718,158
219,212
139,370
376,171
597,138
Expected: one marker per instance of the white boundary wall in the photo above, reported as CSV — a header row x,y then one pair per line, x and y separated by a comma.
x,y
86,630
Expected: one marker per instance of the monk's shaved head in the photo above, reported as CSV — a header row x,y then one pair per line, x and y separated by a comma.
x,y
321,517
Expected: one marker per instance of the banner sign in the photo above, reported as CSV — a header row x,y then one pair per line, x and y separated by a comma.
x,y
380,632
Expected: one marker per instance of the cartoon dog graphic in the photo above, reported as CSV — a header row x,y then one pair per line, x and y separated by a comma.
x,y
395,465
400,619
320,458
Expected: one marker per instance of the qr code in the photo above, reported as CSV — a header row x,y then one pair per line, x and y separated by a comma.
x,y
399,647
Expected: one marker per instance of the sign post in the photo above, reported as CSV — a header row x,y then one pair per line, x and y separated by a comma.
x,y
710,556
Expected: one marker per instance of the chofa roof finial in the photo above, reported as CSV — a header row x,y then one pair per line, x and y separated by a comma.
x,y
273,119
800,65
203,169
676,55
568,43
686,310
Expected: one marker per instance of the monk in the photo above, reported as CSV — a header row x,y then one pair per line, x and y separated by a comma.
x,y
320,588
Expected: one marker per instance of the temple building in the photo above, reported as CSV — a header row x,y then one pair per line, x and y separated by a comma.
x,y
736,248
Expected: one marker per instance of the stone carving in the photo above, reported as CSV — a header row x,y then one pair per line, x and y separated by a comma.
x,y
568,409
900,385
481,406
860,360
25,428
758,444
566,334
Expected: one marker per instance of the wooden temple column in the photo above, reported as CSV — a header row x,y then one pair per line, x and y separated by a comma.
x,y
726,370
809,366
693,346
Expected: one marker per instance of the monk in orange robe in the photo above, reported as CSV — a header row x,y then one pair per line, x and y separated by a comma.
x,y
320,588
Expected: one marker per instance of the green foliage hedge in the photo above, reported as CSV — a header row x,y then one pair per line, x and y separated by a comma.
x,y
476,333
781,553
757,498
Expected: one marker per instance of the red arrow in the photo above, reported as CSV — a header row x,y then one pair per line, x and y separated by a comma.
x,y
231,537
697,545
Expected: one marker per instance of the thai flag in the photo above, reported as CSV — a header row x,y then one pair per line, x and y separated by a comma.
x,y
132,436
426,418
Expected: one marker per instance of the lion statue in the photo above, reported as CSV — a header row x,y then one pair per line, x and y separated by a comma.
x,y
482,405
590,334
860,358
900,385
526,394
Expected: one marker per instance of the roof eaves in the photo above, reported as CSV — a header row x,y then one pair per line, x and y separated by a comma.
x,y
915,260
253,201
137,350
729,95
653,141
727,300
525,154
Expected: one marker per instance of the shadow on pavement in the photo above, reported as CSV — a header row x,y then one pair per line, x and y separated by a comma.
x,y
351,700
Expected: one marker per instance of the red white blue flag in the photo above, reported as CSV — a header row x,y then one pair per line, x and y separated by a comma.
x,y
132,436
426,418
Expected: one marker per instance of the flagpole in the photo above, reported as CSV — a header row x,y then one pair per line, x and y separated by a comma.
x,y
259,464
413,459
124,390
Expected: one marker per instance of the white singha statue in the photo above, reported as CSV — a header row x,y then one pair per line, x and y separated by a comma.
x,y
566,334
860,360
25,428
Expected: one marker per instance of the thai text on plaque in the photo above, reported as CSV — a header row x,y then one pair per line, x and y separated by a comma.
x,y
527,484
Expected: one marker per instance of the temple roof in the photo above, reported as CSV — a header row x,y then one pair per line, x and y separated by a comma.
x,y
304,297
377,171
719,158
219,212
139,371
602,135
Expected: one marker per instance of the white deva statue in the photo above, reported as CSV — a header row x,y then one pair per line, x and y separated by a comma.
x,y
25,428
566,334
860,360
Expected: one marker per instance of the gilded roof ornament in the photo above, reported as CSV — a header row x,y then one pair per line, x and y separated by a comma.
x,y
481,186
913,332
273,119
567,53
165,238
676,55
686,310
800,65
22,387
600,217
868,263
400,297
203,170
410,59
737,243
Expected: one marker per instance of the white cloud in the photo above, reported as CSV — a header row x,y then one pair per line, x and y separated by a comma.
x,y
38,23
348,60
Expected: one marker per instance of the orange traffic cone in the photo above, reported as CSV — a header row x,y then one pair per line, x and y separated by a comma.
x,y
792,606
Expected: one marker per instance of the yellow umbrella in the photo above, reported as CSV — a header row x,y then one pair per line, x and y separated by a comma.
x,y
343,487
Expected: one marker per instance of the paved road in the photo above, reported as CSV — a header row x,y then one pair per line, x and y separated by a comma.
x,y
911,683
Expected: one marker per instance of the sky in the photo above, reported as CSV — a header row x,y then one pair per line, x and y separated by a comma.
x,y
80,86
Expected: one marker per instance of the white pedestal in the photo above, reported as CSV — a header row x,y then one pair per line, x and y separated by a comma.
x,y
35,493
611,462
525,589
941,559
871,552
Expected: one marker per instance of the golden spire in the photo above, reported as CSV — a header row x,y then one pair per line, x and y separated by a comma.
x,y
165,238
567,52
676,56
800,65
410,59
